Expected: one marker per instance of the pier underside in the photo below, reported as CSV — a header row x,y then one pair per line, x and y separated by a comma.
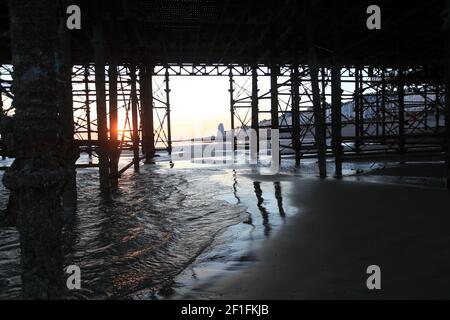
x,y
338,91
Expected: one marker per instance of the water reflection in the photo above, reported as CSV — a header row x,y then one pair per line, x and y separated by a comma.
x,y
262,208
235,184
279,198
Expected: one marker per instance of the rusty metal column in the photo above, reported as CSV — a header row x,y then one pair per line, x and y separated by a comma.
x,y
38,175
401,111
169,125
113,133
295,83
255,106
102,151
134,118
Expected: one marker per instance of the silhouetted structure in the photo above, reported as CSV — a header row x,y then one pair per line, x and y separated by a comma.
x,y
319,54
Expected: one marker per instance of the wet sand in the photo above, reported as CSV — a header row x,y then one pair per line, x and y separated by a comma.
x,y
343,227
244,235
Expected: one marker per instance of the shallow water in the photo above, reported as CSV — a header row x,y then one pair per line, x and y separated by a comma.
x,y
158,221
166,229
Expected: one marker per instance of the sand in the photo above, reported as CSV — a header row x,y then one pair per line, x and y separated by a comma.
x,y
341,229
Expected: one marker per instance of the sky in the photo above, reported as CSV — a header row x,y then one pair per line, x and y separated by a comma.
x,y
199,105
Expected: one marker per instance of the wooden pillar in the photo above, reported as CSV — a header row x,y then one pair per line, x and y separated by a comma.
x,y
169,124
39,172
255,106
401,111
100,90
134,118
296,143
113,133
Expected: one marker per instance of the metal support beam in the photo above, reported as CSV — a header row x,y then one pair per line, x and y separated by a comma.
x,y
447,89
317,110
274,71
425,107
401,111
134,118
274,122
2,130
362,106
319,121
231,91
296,142
358,106
148,138
150,130
336,105
255,106
169,125
113,119
102,151
437,103
383,102
336,95
323,98
88,112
